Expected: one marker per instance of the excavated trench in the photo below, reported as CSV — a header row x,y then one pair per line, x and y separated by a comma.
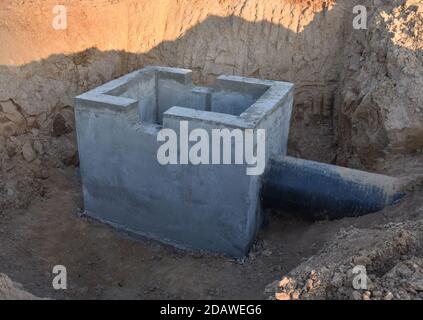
x,y
355,105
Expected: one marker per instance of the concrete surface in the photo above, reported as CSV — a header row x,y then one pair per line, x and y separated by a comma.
x,y
208,207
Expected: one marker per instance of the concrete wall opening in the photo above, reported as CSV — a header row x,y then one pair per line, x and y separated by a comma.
x,y
156,90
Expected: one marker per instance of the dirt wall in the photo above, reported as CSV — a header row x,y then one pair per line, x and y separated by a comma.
x,y
357,96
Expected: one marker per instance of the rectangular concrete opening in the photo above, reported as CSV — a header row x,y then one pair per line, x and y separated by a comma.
x,y
156,91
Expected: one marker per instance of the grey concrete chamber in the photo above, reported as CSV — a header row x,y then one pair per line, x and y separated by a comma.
x,y
210,207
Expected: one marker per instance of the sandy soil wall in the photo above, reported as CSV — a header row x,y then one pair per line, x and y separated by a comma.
x,y
358,99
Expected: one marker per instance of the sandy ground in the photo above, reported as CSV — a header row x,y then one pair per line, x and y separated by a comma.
x,y
103,263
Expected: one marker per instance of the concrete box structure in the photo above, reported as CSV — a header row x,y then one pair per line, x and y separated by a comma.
x,y
208,207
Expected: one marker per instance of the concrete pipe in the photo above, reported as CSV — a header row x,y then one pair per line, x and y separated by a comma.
x,y
319,190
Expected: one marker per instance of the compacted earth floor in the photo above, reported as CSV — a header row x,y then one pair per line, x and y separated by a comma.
x,y
103,263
